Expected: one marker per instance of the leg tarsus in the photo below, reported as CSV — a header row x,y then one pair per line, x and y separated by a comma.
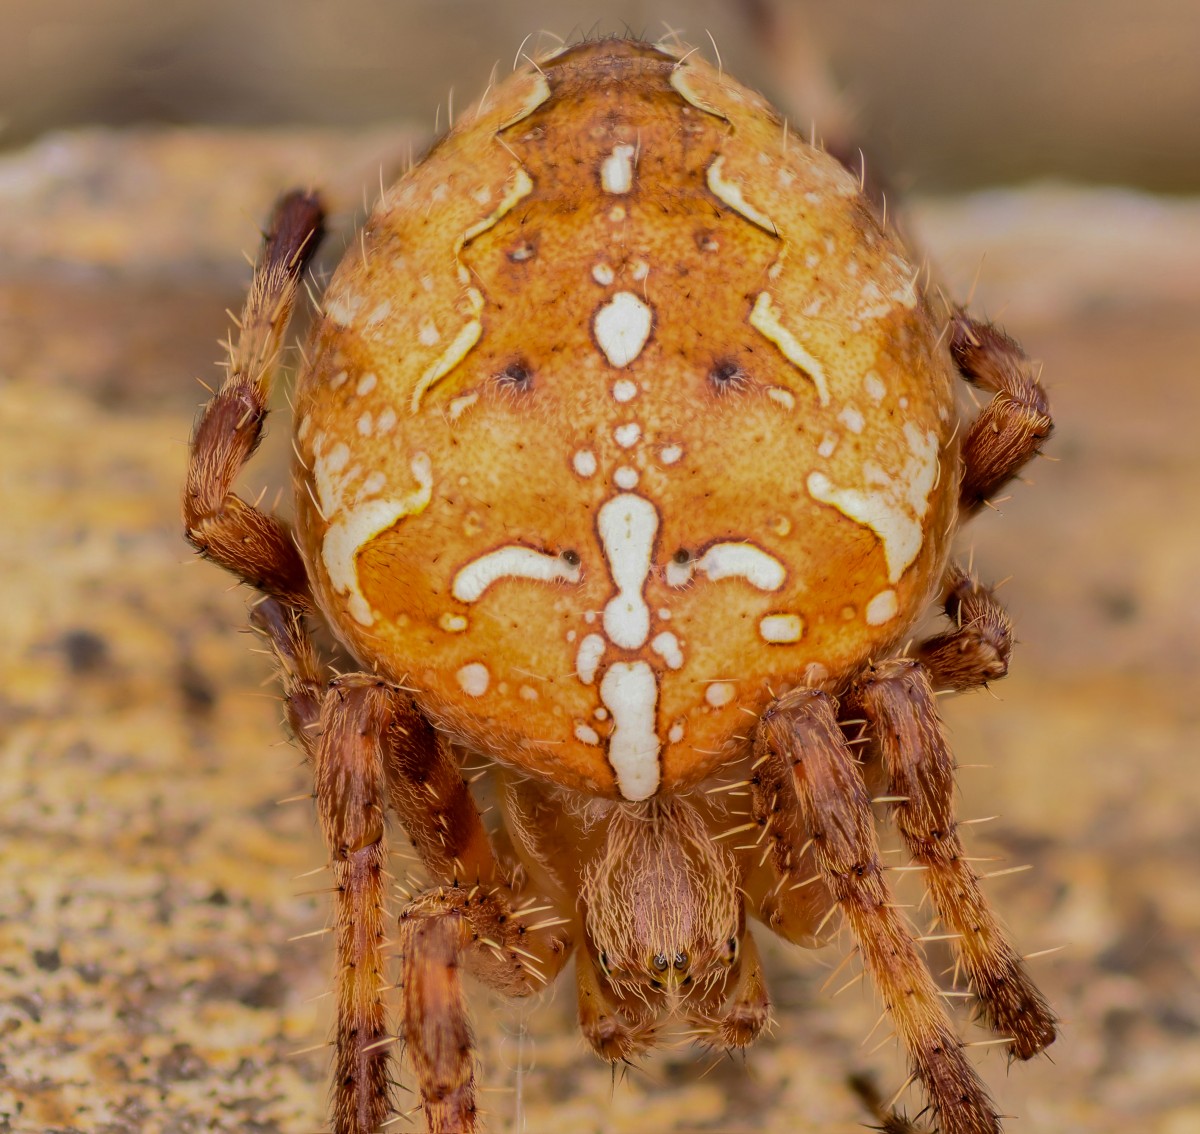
x,y
748,1011
298,665
436,1027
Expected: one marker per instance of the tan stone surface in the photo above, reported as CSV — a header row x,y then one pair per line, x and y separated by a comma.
x,y
148,888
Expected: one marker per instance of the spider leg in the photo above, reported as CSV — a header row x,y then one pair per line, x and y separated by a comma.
x,y
800,743
349,774
1013,425
790,895
617,1032
344,731
978,649
441,930
371,748
466,917
254,545
897,700
740,1021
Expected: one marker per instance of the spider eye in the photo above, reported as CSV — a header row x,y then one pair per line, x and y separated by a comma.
x,y
570,558
604,967
731,950
660,963
681,961
682,557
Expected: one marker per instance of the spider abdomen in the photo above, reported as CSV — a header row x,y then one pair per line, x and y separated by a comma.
x,y
626,415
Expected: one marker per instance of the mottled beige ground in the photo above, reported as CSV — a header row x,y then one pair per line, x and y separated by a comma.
x,y
149,976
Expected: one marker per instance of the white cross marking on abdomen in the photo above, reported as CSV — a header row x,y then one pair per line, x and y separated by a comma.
x,y
511,562
629,691
731,560
627,525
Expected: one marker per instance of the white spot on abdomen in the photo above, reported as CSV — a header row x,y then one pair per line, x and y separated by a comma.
x,y
630,693
622,327
782,397
627,525
731,193
584,462
851,417
627,435
882,608
473,679
511,562
720,693
587,657
781,629
459,406
666,645
343,308
586,734
378,313
616,171
352,530
466,338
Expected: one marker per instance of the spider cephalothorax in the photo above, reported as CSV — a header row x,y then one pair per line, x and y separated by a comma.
x,y
627,454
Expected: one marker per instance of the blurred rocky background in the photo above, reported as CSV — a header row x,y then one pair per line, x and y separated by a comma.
x,y
153,972
950,95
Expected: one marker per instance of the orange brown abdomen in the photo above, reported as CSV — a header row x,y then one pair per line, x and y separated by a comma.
x,y
626,415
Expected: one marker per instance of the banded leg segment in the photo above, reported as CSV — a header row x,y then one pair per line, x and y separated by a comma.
x,y
254,545
1013,425
350,792
793,897
299,668
799,737
898,703
434,804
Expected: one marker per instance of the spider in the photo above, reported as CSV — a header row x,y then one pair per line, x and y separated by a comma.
x,y
626,458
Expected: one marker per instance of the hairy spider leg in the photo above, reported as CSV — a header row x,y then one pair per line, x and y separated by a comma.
x,y
1012,427
256,546
978,647
898,702
804,748
371,749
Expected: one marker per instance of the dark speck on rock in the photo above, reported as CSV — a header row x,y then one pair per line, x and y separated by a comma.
x,y
85,650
